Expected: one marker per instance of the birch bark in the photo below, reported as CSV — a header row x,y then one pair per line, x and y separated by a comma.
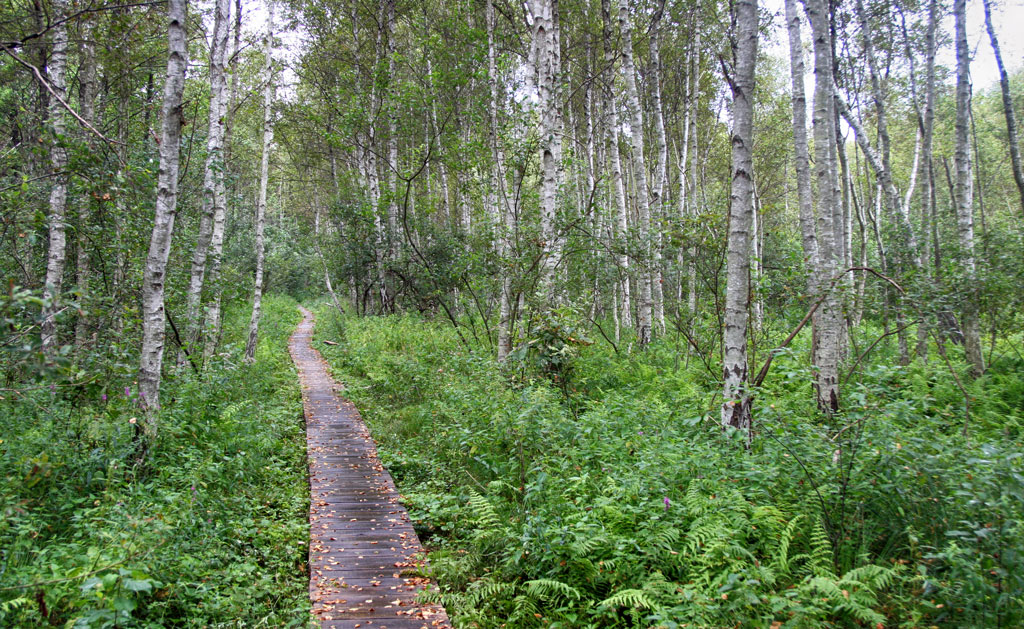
x,y
213,171
547,70
1011,117
964,191
261,203
736,408
660,178
801,152
154,276
57,250
615,159
87,106
636,123
828,349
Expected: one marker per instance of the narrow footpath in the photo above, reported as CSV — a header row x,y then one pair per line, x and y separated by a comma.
x,y
364,555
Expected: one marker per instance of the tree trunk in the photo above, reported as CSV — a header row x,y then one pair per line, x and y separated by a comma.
x,y
547,71
660,179
500,195
155,274
802,155
964,191
261,203
87,88
615,159
828,349
57,252
213,173
636,123
736,408
1011,117
213,312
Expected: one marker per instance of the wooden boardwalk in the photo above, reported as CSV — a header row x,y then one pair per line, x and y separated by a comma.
x,y
364,555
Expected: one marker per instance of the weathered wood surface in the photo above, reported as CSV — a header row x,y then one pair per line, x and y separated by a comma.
x,y
364,555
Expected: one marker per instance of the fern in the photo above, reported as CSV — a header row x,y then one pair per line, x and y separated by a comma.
x,y
486,516
7,607
551,588
781,559
629,598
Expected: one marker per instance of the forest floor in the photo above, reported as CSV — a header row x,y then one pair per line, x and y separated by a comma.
x,y
365,557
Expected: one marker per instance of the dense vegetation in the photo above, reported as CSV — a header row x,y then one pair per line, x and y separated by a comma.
x,y
210,530
575,487
659,323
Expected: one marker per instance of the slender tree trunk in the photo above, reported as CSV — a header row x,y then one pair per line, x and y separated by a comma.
x,y
802,155
261,203
828,349
1011,117
213,172
57,252
547,70
964,192
87,88
928,171
736,409
615,159
155,274
660,179
213,311
500,195
639,171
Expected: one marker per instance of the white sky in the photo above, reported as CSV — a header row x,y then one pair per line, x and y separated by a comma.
x,y
1007,17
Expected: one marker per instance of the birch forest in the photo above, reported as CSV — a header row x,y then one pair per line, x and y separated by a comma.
x,y
662,313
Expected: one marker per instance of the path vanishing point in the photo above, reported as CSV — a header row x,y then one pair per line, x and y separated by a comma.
x,y
365,559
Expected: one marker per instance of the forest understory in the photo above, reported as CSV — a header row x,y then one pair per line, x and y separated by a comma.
x,y
665,313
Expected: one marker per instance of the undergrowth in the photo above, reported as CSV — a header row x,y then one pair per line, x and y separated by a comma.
x,y
212,531
611,498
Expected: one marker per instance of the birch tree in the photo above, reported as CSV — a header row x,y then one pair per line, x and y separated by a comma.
x,y
639,171
615,163
828,349
57,216
964,190
87,89
213,172
1008,112
547,74
261,202
736,408
154,276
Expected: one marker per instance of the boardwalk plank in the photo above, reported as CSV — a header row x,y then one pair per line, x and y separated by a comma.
x,y
364,555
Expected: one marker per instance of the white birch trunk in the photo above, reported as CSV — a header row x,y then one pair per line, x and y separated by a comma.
x,y
828,349
57,216
503,210
615,159
802,156
964,190
736,408
660,180
87,88
213,172
1008,112
639,171
154,276
547,72
261,203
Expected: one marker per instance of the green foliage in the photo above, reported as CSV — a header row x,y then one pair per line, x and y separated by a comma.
x,y
212,530
621,504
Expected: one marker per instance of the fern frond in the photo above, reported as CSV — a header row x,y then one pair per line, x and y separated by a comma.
x,y
551,588
628,598
486,516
